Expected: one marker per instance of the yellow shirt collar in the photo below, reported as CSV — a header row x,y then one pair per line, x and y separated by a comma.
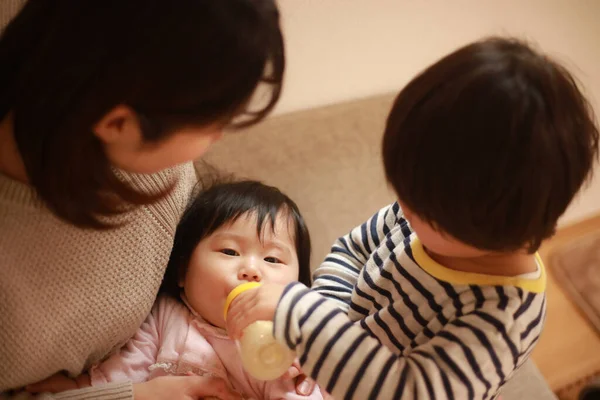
x,y
445,274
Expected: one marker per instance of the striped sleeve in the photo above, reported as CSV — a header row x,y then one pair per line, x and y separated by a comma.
x,y
337,275
470,358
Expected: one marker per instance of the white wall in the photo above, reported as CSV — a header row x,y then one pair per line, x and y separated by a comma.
x,y
345,49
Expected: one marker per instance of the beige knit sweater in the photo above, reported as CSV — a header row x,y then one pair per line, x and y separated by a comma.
x,y
69,296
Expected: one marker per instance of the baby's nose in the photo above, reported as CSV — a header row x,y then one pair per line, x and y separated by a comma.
x,y
251,277
249,273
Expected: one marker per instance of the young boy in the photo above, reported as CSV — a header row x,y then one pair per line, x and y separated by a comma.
x,y
441,294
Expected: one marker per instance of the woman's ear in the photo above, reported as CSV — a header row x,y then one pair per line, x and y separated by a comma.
x,y
119,126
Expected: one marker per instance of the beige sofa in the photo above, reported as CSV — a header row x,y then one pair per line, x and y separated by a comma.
x,y
327,159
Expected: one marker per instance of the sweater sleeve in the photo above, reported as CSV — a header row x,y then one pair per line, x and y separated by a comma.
x,y
113,378
471,357
336,277
111,391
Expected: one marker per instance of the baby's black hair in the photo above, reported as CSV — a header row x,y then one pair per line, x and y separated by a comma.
x,y
223,203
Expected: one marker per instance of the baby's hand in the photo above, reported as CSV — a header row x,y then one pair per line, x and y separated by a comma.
x,y
59,383
304,385
257,304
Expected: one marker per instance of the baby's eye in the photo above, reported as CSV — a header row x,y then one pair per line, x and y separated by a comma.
x,y
273,260
230,252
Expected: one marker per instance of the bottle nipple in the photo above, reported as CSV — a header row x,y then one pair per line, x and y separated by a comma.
x,y
235,293
262,356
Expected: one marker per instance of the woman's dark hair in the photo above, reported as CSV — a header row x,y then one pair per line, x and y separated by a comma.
x,y
223,203
66,63
490,144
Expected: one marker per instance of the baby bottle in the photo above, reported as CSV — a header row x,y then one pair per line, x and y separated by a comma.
x,y
262,356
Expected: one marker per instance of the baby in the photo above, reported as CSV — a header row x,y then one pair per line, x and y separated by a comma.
x,y
231,233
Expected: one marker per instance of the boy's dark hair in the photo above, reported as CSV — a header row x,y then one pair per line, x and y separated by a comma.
x,y
490,144
66,63
224,203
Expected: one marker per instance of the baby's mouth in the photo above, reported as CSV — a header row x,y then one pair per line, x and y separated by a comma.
x,y
228,290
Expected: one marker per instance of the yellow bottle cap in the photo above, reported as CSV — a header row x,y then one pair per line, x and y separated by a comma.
x,y
235,292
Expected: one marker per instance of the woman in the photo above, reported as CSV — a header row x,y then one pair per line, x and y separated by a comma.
x,y
98,100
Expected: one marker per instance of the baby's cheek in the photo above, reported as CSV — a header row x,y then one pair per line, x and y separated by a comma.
x,y
283,277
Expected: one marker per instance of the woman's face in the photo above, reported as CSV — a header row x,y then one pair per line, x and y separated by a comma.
x,y
180,147
125,147
235,254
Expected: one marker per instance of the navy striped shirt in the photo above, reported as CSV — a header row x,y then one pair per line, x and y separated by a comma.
x,y
385,321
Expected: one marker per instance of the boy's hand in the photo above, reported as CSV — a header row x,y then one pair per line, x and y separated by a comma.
x,y
59,383
257,304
